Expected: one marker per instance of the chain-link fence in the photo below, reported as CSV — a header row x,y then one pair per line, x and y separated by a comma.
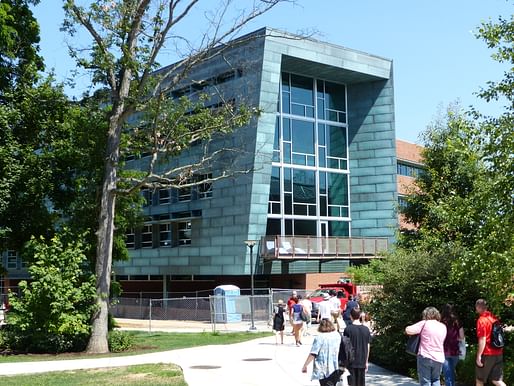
x,y
214,312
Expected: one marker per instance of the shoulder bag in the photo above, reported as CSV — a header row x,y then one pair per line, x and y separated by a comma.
x,y
412,346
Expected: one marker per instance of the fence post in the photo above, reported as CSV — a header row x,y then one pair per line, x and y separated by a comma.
x,y
140,305
150,318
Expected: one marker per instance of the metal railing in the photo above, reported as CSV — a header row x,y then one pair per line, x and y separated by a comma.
x,y
312,247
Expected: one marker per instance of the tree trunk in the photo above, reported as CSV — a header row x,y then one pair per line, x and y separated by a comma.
x,y
98,341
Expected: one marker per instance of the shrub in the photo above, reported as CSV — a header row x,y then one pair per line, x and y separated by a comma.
x,y
54,310
120,341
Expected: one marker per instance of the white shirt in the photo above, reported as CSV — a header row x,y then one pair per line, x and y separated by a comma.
x,y
324,309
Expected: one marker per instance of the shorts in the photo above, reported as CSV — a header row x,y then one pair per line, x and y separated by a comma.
x,y
492,369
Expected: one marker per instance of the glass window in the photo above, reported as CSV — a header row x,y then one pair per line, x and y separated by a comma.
x,y
337,189
146,236
287,153
285,81
204,189
288,203
335,96
304,186
276,142
288,180
164,196
130,239
322,183
274,194
336,141
12,260
184,233
322,157
273,227
339,228
286,129
302,90
408,170
321,134
305,227
303,137
165,235
288,227
184,194
147,195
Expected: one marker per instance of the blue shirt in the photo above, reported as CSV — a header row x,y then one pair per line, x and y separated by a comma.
x,y
325,348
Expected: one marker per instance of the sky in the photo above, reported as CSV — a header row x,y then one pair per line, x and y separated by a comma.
x,y
437,59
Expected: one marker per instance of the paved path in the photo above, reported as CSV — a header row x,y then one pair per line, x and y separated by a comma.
x,y
258,362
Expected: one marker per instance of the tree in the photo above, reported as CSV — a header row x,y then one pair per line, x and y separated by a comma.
x,y
127,37
19,35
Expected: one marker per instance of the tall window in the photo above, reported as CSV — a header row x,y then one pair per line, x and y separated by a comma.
x,y
204,189
146,236
130,239
165,235
184,232
309,193
12,259
164,196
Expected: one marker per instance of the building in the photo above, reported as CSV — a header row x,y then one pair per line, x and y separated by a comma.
x,y
409,165
321,193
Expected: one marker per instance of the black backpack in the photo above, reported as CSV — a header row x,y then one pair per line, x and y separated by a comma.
x,y
346,352
497,335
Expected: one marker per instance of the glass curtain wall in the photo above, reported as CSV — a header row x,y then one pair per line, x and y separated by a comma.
x,y
309,192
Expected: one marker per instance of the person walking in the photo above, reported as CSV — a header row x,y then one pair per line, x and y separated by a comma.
x,y
324,353
454,334
352,303
307,309
279,321
336,308
293,299
360,337
325,307
489,359
297,321
430,357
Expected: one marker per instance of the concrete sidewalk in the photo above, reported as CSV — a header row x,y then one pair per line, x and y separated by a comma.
x,y
258,362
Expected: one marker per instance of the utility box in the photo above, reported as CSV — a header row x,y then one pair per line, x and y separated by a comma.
x,y
226,298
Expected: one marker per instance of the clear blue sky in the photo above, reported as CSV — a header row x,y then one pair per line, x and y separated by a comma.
x,y
437,59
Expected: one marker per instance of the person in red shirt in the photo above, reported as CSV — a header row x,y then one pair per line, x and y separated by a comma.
x,y
489,360
290,303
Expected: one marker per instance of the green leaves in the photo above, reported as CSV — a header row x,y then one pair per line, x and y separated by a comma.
x,y
54,309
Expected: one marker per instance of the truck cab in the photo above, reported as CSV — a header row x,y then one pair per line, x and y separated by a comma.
x,y
343,288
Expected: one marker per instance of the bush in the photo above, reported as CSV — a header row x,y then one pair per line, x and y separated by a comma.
x,y
120,341
54,310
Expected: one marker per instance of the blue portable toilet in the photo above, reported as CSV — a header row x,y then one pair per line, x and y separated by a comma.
x,y
225,298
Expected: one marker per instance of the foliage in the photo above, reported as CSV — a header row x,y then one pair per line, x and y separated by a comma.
x,y
19,35
151,374
126,39
120,341
53,311
414,278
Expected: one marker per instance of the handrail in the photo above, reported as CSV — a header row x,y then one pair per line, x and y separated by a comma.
x,y
313,247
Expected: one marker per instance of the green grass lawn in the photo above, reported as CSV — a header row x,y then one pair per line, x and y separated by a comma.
x,y
154,374
146,342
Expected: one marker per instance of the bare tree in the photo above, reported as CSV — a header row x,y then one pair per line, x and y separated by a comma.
x,y
127,38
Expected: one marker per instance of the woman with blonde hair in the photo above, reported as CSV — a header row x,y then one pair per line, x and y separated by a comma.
x,y
430,356
324,353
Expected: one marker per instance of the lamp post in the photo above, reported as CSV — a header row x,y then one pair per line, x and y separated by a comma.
x,y
250,244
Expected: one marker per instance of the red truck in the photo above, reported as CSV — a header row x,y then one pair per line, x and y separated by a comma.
x,y
343,288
